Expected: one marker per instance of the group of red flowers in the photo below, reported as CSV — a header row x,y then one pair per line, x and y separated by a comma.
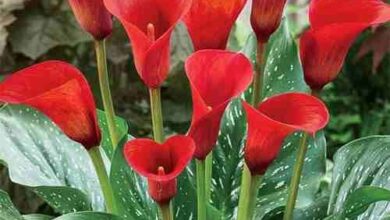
x,y
216,76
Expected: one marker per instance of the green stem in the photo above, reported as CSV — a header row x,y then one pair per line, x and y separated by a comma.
x,y
248,197
208,175
200,189
103,179
259,75
294,185
104,82
165,211
157,120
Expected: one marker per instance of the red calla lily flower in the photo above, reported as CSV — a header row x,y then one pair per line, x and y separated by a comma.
x,y
326,12
209,22
61,92
161,164
334,27
215,77
149,25
93,17
274,120
266,17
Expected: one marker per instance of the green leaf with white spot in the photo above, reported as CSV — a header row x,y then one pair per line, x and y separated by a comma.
x,y
40,156
283,71
361,163
89,216
185,201
7,208
121,129
359,201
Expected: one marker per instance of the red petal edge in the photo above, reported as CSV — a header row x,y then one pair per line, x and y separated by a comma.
x,y
151,57
274,120
215,77
145,156
209,22
61,92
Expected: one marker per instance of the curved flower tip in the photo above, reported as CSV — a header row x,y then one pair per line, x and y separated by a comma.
x,y
274,120
266,17
323,51
370,12
215,77
149,25
93,17
61,92
161,164
209,22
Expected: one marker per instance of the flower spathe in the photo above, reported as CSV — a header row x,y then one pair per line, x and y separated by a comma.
x,y
93,17
149,25
334,27
61,92
215,77
209,22
266,16
161,164
274,120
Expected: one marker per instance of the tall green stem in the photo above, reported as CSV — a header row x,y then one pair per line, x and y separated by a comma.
x,y
200,189
105,185
165,211
248,198
208,175
104,82
294,185
157,120
257,86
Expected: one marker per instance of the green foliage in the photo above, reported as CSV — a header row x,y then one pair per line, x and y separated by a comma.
x,y
35,33
39,156
122,129
361,163
7,209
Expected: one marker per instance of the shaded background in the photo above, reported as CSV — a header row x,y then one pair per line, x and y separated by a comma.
x,y
37,30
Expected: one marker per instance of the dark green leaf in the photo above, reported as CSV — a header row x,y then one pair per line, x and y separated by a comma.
x,y
35,33
359,201
122,129
364,162
7,209
185,201
89,216
39,156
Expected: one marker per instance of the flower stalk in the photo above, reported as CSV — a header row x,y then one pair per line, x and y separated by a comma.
x,y
247,203
104,83
297,172
105,185
208,175
157,118
165,211
200,189
257,86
